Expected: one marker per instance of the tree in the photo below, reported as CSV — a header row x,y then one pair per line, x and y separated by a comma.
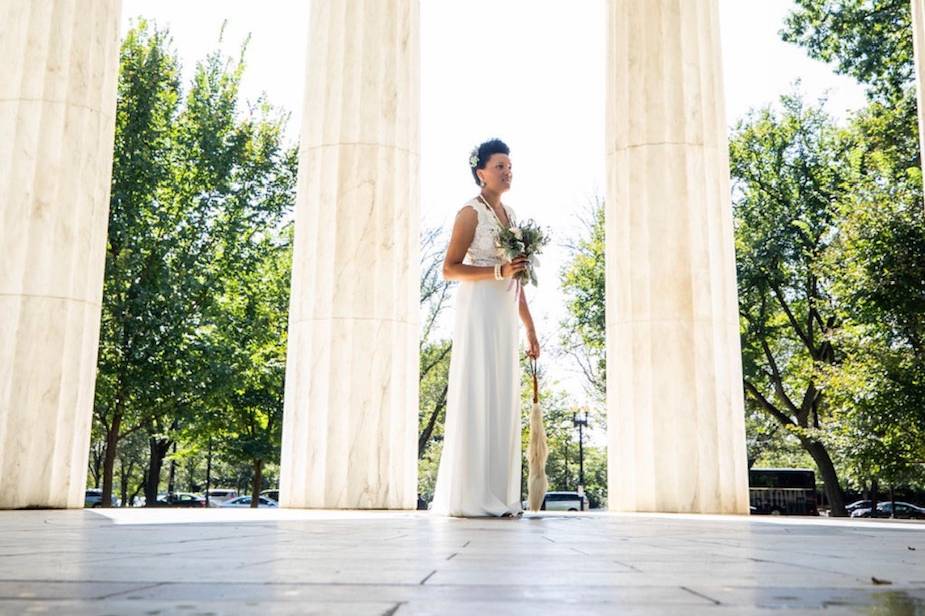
x,y
788,172
434,351
870,40
584,339
768,444
197,185
878,260
880,273
248,342
148,94
583,284
131,467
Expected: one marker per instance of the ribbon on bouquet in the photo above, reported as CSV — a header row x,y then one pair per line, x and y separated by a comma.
x,y
515,282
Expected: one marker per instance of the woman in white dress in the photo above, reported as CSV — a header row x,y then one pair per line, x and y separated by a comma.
x,y
480,466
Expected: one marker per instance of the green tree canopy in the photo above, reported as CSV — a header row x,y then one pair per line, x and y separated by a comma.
x,y
199,184
789,170
870,40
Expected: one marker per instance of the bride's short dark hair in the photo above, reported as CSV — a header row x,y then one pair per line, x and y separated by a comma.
x,y
481,153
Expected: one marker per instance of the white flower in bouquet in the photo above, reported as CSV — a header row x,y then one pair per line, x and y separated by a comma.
x,y
527,239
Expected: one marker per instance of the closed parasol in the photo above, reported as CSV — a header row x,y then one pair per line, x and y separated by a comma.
x,y
537,450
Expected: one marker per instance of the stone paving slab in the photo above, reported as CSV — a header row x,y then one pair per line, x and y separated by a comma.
x,y
412,563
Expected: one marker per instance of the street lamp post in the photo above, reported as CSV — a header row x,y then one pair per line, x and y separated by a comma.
x,y
581,422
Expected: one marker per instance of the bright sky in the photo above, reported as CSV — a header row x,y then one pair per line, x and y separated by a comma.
x,y
530,73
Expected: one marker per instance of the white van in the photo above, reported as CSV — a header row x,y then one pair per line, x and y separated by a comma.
x,y
565,501
220,495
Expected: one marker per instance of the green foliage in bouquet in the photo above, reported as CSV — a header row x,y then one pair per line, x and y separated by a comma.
x,y
527,239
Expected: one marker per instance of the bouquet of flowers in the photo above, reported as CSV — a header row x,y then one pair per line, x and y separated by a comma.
x,y
527,239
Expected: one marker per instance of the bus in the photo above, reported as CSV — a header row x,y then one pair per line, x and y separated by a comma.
x,y
782,491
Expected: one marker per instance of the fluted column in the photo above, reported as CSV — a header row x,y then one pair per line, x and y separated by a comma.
x,y
350,424
918,45
674,378
58,61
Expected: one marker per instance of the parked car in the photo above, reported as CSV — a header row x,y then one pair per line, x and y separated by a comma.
x,y
564,501
180,499
93,498
217,496
245,501
271,494
861,504
906,511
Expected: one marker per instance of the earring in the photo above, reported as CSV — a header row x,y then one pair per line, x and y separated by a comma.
x,y
482,183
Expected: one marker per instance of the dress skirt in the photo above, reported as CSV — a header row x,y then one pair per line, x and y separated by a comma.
x,y
480,466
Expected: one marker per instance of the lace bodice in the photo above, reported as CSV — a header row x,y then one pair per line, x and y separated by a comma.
x,y
483,250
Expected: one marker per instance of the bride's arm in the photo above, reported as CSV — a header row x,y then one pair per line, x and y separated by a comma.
x,y
532,341
460,240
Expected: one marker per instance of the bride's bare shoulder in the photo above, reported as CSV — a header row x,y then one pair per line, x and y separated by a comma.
x,y
467,219
468,213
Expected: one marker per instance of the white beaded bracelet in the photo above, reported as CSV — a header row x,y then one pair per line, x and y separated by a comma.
x,y
498,275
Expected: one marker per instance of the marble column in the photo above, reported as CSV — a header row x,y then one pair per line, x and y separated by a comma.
x,y
57,109
918,45
350,419
674,380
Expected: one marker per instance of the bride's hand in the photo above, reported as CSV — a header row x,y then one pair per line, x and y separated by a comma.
x,y
519,264
534,345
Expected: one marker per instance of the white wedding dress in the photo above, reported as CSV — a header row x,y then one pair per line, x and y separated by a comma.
x,y
479,473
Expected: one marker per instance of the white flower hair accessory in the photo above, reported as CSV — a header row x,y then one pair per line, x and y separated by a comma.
x,y
474,160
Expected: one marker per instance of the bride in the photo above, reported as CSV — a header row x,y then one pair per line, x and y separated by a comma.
x,y
480,466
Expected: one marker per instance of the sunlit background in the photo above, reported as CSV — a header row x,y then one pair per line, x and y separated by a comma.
x,y
530,73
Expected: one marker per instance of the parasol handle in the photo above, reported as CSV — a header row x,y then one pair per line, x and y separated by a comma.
x,y
536,386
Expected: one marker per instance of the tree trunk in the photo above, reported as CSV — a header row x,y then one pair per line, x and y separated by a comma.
x,y
171,476
874,493
96,463
109,456
123,488
134,494
192,486
157,449
125,474
258,482
833,491
424,438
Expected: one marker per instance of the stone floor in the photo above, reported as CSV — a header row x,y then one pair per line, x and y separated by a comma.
x,y
402,563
